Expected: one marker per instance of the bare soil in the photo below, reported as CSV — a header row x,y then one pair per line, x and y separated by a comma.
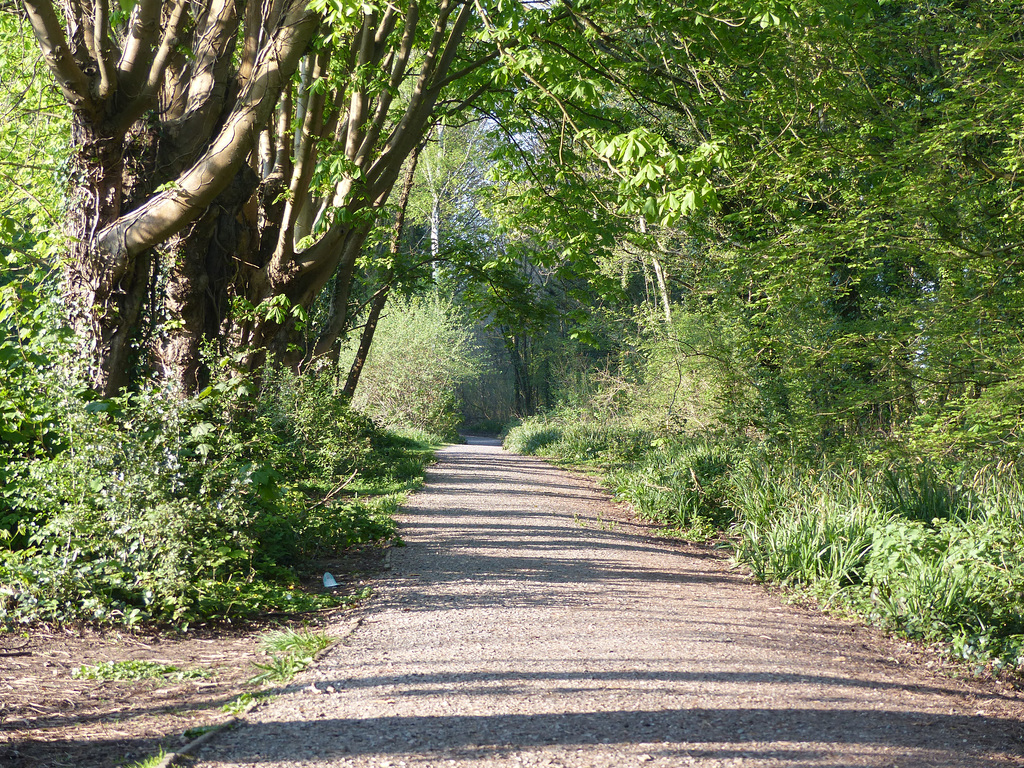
x,y
50,719
528,622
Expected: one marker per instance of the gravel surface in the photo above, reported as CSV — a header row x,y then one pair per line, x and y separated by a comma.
x,y
525,624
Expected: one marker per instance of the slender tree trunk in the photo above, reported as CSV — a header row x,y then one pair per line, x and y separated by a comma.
x,y
366,339
659,274
381,296
435,229
519,355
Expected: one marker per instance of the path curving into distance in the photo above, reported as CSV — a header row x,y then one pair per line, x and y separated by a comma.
x,y
522,626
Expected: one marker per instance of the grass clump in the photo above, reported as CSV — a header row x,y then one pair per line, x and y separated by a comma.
x,y
290,652
149,762
243,702
532,437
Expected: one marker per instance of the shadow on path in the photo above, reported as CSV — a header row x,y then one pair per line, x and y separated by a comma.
x,y
718,733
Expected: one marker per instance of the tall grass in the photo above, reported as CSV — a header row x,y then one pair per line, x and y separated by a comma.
x,y
932,552
928,558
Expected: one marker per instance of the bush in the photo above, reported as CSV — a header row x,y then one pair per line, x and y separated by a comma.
x,y
172,510
421,352
531,437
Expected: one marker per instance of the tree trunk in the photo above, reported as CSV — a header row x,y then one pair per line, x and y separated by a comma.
x,y
105,308
134,97
205,263
381,296
519,356
659,274
365,340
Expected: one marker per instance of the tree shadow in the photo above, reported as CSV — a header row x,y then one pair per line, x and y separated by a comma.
x,y
798,736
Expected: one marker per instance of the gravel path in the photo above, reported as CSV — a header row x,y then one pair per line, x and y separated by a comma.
x,y
523,626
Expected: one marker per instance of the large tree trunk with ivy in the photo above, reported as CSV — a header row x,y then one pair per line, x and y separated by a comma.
x,y
228,195
112,169
165,111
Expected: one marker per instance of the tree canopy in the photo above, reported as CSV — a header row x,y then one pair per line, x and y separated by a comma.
x,y
832,186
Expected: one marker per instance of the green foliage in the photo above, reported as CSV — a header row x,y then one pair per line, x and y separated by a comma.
x,y
163,509
27,344
422,351
923,556
135,669
34,123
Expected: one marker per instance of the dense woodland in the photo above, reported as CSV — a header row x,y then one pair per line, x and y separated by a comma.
x,y
759,262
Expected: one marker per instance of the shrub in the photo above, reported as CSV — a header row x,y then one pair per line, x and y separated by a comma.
x,y
421,352
177,510
531,437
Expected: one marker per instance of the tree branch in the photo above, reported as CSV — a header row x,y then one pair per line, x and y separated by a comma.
x,y
168,43
49,34
385,99
143,31
207,85
305,159
168,212
104,48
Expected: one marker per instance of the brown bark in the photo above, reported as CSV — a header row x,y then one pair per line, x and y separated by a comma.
x,y
103,312
198,286
366,339
519,355
118,214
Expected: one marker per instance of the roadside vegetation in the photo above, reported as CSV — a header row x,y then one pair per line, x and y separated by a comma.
x,y
928,549
152,508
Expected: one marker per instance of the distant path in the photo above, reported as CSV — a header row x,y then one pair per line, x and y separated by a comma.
x,y
520,627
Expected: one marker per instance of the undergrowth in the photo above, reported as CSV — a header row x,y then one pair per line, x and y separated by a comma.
x,y
136,669
154,508
930,551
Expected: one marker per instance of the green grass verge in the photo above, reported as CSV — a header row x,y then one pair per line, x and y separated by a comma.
x,y
931,552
